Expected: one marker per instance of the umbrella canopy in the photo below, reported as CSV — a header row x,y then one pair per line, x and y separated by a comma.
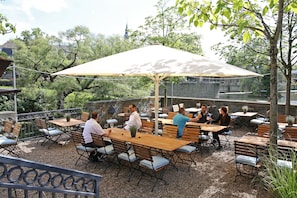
x,y
156,62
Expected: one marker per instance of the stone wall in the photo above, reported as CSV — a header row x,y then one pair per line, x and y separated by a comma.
x,y
192,89
110,108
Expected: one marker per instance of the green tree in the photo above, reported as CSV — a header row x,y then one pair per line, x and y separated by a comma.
x,y
252,55
5,26
246,18
288,52
168,28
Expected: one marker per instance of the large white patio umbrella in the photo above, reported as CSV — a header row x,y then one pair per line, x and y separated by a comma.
x,y
156,62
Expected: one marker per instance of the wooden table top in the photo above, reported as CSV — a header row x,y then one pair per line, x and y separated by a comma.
x,y
63,123
205,127
255,140
153,141
247,114
287,143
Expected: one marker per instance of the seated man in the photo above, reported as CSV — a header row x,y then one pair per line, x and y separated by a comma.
x,y
180,120
92,126
134,119
203,116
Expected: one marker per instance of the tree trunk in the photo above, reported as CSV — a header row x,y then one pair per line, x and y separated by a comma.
x,y
273,77
273,94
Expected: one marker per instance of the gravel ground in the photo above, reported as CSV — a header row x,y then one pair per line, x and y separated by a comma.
x,y
213,176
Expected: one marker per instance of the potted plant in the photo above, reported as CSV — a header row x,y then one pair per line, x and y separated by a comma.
x,y
290,120
245,109
67,117
133,130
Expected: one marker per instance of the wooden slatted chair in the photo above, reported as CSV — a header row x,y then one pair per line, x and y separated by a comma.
x,y
285,156
84,117
170,130
171,114
125,156
150,164
8,126
189,134
263,130
51,135
246,155
82,151
9,143
147,126
281,118
106,150
290,134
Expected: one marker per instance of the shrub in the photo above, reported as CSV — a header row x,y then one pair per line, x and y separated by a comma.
x,y
280,180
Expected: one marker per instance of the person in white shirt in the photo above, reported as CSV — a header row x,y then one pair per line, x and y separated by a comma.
x,y
134,119
92,126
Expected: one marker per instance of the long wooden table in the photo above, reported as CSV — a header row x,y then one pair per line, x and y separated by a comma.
x,y
153,141
262,141
63,123
255,140
205,127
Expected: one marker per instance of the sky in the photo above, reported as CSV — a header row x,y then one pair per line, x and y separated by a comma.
x,y
108,17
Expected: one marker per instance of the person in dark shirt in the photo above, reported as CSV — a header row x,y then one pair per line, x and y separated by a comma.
x,y
203,116
223,120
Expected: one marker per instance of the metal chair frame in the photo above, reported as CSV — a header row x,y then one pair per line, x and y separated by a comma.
x,y
123,149
145,153
82,151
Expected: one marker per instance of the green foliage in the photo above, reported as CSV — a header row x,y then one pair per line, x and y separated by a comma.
x,y
35,99
78,99
5,26
6,103
281,180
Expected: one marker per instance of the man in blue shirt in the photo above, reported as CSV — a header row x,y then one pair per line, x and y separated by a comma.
x,y
180,120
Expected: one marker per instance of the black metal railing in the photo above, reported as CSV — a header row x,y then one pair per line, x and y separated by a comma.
x,y
29,128
24,178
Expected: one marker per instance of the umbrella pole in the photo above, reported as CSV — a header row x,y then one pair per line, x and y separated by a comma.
x,y
157,82
157,78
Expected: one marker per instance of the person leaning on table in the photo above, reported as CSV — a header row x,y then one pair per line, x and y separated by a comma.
x,y
223,120
92,126
180,120
134,118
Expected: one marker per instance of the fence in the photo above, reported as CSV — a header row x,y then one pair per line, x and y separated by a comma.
x,y
24,178
27,119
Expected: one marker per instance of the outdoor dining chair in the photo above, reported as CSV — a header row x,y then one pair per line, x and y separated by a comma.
x,y
51,135
84,117
263,130
147,126
171,115
8,126
150,164
189,134
125,155
106,150
9,143
286,156
82,151
247,156
170,130
290,134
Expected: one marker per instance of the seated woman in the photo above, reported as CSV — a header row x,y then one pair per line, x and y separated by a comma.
x,y
223,120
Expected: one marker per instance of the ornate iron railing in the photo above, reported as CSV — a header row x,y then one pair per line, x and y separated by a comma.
x,y
24,178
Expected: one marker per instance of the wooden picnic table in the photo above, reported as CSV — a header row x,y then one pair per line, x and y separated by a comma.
x,y
153,141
